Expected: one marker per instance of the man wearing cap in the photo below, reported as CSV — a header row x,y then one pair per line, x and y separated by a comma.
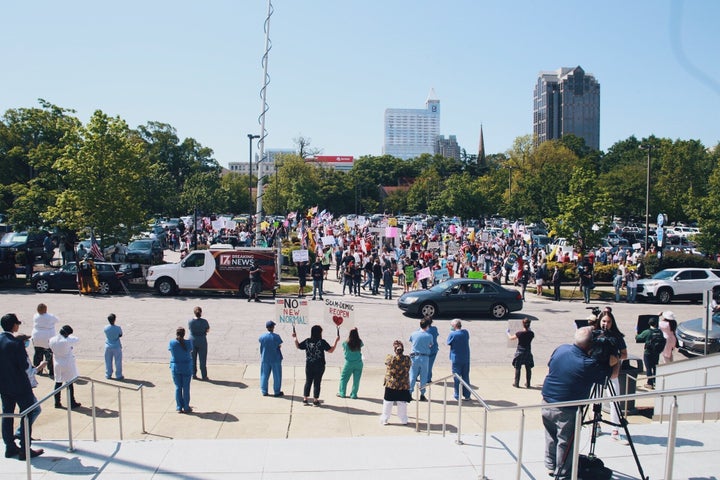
x,y
270,360
15,386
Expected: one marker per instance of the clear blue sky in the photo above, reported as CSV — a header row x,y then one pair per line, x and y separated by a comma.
x,y
335,66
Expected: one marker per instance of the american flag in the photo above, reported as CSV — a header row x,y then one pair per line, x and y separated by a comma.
x,y
95,248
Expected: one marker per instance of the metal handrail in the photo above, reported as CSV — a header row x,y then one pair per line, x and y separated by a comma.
x,y
119,389
672,427
25,419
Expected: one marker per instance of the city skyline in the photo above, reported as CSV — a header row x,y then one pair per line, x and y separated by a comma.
x,y
335,67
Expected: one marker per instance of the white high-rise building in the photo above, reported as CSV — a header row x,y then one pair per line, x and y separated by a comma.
x,y
411,132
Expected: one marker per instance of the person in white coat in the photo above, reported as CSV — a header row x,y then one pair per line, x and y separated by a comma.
x,y
64,361
44,325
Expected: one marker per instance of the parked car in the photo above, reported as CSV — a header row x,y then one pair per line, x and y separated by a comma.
x,y
110,276
679,284
691,337
463,296
541,241
146,250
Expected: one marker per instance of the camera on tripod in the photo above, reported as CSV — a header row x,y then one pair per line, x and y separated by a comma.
x,y
603,347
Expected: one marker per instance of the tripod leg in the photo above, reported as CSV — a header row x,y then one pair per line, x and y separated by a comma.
x,y
624,424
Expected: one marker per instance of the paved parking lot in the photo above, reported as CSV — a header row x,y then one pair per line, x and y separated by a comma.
x,y
149,322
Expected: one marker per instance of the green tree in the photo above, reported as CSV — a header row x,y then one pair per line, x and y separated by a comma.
x,y
235,193
31,141
103,167
580,209
707,209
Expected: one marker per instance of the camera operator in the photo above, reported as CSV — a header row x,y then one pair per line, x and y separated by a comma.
x,y
572,373
612,332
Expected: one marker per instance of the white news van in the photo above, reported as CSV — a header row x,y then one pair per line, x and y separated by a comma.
x,y
219,270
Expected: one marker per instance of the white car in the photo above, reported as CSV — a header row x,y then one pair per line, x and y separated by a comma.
x,y
679,284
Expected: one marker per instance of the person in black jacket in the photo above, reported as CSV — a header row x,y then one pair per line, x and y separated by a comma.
x,y
317,272
15,388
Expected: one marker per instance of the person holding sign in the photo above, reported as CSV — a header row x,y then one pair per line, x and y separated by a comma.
x,y
353,364
523,352
270,360
315,348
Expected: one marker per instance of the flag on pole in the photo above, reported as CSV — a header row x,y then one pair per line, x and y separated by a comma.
x,y
95,248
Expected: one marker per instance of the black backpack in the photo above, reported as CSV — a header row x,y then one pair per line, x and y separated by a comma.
x,y
655,343
592,468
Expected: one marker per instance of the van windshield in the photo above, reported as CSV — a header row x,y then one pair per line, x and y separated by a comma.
x,y
14,238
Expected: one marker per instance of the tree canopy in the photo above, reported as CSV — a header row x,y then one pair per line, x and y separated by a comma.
x,y
57,172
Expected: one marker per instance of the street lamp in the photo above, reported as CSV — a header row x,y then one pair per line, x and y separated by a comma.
x,y
649,148
250,139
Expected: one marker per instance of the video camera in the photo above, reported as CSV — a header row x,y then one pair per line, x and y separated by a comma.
x,y
603,347
595,311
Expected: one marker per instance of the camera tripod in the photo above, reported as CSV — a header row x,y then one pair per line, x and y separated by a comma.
x,y
597,392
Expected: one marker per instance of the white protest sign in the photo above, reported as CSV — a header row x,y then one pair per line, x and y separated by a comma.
x,y
328,241
300,256
513,326
292,310
339,314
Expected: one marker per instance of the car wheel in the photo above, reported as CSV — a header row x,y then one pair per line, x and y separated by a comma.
x,y
664,295
42,285
499,311
104,288
165,287
245,289
428,310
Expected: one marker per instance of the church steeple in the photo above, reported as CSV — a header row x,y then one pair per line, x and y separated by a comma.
x,y
481,150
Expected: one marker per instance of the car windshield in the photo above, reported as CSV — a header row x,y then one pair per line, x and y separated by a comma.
x,y
664,274
140,245
14,238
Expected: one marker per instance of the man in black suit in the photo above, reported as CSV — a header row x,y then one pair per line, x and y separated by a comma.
x,y
15,386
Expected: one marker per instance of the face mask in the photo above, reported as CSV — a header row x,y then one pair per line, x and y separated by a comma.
x,y
27,343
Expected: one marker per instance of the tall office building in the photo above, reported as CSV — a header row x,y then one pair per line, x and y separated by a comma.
x,y
447,147
567,101
412,132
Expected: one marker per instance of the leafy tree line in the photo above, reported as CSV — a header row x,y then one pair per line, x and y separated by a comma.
x,y
55,171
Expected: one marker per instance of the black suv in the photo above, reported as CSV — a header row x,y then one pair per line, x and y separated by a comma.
x,y
14,242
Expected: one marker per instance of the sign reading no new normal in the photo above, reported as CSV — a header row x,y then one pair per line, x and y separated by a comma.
x,y
296,311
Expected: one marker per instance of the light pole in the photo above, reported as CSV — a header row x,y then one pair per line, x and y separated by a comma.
x,y
649,148
250,139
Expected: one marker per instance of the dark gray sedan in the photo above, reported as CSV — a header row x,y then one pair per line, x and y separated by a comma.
x,y
691,337
462,296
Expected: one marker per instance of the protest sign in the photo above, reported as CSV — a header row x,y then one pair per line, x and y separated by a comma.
x,y
292,310
339,314
424,273
300,256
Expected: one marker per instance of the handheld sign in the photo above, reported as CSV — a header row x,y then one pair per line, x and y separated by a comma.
x,y
339,313
300,256
292,310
